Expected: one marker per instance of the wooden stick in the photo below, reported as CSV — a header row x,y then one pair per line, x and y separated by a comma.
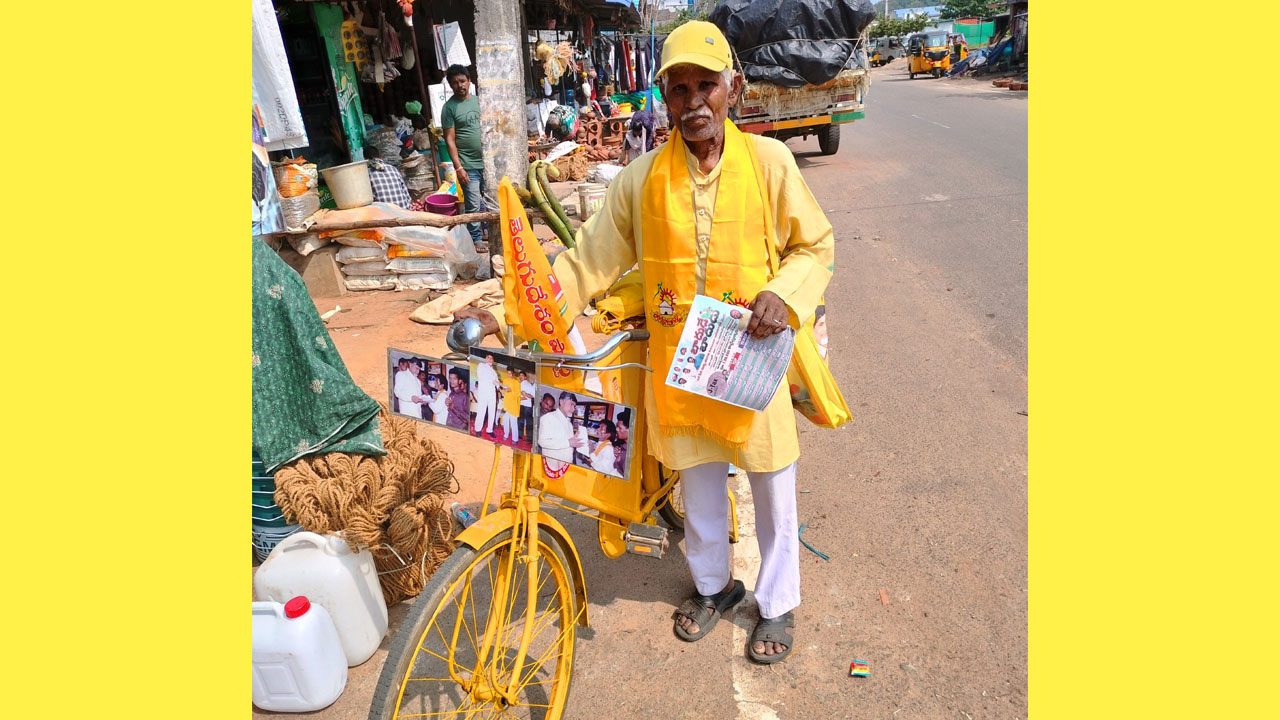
x,y
440,221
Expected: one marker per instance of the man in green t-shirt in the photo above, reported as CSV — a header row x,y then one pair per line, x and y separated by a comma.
x,y
461,121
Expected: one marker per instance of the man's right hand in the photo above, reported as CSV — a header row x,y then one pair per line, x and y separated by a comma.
x,y
486,318
463,177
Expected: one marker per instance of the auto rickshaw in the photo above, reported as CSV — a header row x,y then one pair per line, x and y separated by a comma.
x,y
927,52
884,50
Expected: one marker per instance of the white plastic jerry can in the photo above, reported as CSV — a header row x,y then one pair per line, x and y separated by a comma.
x,y
324,569
298,663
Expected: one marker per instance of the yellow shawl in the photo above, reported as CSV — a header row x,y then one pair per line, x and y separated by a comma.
x,y
737,268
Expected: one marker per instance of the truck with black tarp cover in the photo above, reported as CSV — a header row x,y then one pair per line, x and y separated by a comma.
x,y
805,63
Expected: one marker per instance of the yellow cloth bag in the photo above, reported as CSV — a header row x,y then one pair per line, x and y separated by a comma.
x,y
813,388
625,299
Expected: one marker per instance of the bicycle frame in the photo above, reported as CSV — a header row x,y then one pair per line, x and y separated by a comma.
x,y
621,369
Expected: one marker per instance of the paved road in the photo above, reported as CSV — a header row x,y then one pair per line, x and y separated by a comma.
x,y
923,496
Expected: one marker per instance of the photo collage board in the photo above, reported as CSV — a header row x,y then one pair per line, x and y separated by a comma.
x,y
496,396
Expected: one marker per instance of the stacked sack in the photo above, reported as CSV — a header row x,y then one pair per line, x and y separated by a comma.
x,y
364,261
296,181
401,258
420,269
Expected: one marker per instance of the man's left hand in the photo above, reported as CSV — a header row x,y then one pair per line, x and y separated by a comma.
x,y
768,315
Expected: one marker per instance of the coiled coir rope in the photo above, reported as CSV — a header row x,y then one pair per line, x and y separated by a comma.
x,y
393,505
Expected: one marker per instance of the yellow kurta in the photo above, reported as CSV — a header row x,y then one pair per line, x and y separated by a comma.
x,y
511,396
610,242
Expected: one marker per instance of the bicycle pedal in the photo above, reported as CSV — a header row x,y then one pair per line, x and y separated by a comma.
x,y
649,540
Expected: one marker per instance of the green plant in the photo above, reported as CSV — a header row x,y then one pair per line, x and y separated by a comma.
x,y
894,27
952,9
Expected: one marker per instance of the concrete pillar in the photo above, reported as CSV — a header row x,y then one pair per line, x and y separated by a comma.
x,y
500,76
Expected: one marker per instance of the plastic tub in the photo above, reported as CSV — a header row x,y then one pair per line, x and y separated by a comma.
x,y
264,541
590,199
349,184
298,665
443,204
324,569
269,516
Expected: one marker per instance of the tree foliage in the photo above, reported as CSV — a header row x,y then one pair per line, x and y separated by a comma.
x,y
681,18
893,27
952,9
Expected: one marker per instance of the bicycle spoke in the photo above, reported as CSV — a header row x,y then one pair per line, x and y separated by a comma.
x,y
547,655
537,592
549,615
511,633
427,679
444,660
454,713
506,635
525,598
462,615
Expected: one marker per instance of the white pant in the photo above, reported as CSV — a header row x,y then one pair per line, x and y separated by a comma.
x,y
508,423
706,532
486,406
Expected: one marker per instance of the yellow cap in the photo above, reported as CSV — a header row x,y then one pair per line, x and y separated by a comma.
x,y
699,43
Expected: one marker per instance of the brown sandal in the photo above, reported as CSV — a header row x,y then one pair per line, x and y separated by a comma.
x,y
705,610
772,630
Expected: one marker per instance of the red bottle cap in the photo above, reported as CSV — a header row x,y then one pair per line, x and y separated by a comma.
x,y
297,607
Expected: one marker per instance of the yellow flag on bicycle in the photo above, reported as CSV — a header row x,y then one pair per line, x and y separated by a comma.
x,y
534,303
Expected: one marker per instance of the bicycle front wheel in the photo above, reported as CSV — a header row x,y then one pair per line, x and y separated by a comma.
x,y
458,653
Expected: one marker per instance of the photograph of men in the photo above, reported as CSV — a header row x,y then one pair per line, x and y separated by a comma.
x,y
459,400
496,397
527,391
421,388
407,389
484,389
557,437
580,430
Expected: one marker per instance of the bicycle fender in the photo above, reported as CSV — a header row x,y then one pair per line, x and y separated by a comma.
x,y
496,523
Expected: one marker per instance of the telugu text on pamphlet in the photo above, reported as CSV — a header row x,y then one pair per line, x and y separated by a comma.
x,y
717,358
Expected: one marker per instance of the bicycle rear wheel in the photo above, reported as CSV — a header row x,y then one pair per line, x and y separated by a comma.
x,y
671,507
473,596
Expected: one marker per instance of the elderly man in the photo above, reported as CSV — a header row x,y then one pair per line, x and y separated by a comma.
x,y
701,215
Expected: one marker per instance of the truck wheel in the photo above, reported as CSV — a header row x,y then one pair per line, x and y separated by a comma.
x,y
829,139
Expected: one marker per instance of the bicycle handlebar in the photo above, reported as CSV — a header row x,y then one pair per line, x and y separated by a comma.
x,y
461,338
636,335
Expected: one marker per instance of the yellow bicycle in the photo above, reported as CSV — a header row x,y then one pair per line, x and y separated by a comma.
x,y
492,634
